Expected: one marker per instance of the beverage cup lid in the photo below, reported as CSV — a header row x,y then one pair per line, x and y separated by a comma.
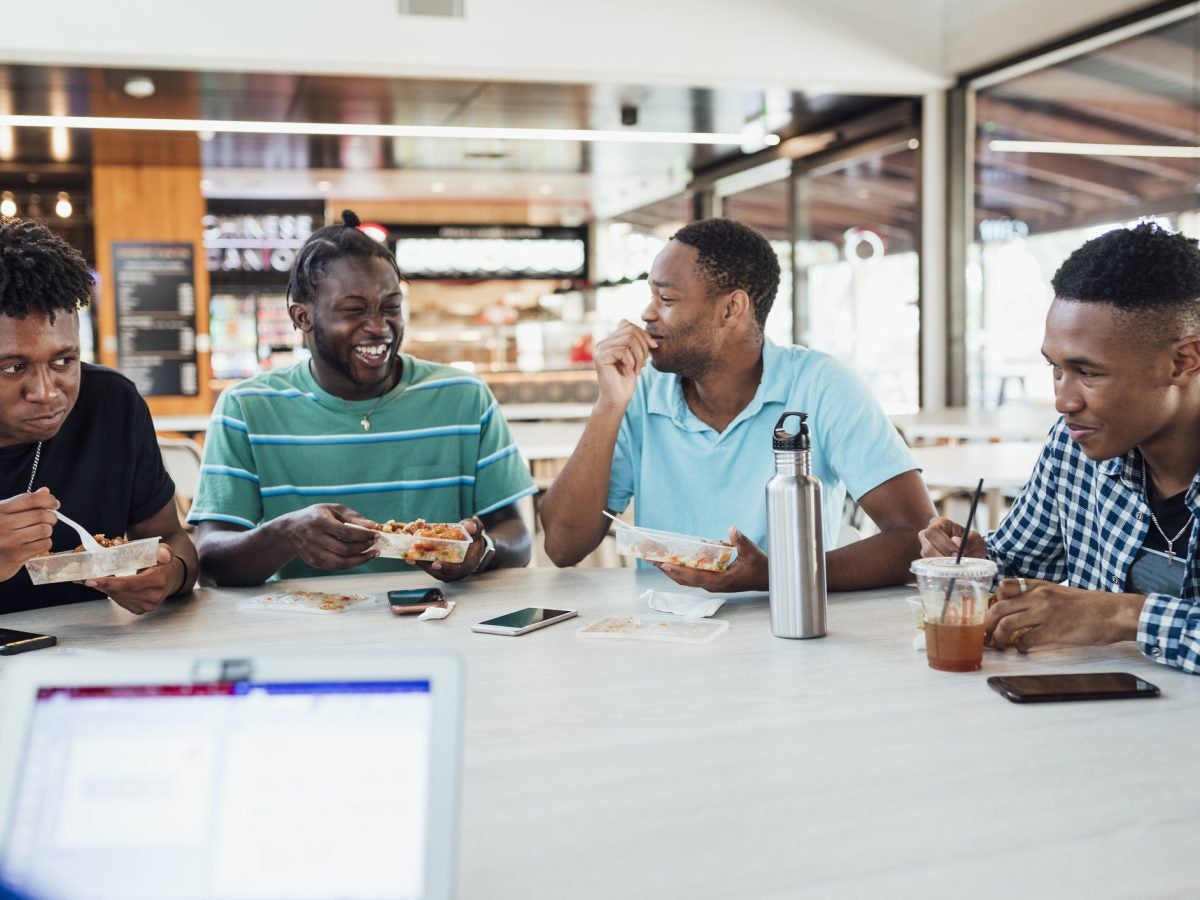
x,y
945,567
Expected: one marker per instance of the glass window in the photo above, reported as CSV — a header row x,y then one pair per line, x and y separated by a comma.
x,y
861,268
1044,185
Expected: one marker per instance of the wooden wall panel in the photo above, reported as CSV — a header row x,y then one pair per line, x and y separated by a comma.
x,y
150,203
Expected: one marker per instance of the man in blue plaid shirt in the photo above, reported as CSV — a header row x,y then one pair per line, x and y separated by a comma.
x,y
1101,545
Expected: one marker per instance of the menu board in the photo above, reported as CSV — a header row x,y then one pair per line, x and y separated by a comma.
x,y
156,316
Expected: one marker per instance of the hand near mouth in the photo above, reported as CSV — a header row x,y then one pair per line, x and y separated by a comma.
x,y
620,358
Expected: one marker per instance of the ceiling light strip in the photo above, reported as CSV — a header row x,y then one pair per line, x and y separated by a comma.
x,y
117,123
1078,149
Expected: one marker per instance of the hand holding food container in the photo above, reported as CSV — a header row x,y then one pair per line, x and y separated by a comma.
x,y
442,549
725,567
136,575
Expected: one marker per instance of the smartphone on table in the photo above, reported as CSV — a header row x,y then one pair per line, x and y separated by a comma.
x,y
530,618
20,641
414,600
1082,686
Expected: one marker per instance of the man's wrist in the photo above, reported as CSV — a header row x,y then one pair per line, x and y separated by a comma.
x,y
183,582
489,551
1125,618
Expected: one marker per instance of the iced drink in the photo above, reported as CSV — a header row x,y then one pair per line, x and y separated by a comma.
x,y
954,597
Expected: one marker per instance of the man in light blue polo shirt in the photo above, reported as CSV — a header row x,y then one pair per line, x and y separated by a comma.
x,y
684,421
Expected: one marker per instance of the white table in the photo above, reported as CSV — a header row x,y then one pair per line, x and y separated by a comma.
x,y
546,440
1004,468
754,767
513,412
184,424
552,412
1008,423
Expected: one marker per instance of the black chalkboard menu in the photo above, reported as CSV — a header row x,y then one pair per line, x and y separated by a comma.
x,y
156,316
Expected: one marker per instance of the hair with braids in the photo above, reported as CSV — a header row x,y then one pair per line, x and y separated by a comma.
x,y
40,272
733,256
324,246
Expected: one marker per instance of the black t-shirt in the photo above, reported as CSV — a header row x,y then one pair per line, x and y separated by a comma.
x,y
1173,517
103,466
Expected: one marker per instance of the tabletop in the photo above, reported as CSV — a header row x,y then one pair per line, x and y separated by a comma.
x,y
751,766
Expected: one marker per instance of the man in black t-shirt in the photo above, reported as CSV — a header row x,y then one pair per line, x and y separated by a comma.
x,y
73,437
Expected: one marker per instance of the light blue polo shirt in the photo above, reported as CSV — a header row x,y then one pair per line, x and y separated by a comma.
x,y
690,479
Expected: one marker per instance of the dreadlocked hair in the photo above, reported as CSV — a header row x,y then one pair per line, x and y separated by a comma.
x,y
326,245
40,272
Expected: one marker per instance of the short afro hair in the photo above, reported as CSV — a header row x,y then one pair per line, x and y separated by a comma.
x,y
326,245
1144,269
40,272
733,256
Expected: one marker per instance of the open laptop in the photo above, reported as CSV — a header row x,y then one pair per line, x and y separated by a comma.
x,y
256,776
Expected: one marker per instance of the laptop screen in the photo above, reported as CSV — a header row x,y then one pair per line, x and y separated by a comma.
x,y
240,789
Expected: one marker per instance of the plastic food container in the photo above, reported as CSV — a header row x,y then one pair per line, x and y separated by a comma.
x,y
677,549
124,559
414,547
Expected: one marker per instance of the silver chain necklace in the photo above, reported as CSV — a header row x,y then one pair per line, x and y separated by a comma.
x,y
1153,518
37,458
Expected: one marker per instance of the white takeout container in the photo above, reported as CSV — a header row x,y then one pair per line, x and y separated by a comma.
x,y
669,547
413,547
124,559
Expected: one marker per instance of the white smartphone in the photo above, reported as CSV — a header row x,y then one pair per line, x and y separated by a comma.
x,y
530,618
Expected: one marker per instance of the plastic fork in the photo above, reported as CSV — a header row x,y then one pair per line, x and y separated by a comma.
x,y
85,537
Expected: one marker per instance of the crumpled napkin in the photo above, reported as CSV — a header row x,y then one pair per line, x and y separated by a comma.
x,y
438,612
690,606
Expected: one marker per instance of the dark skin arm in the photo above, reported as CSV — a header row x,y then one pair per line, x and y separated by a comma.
x,y
145,591
333,537
943,535
26,522
900,507
1048,613
327,536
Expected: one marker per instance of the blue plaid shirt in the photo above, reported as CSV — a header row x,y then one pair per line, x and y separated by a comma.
x,y
1083,522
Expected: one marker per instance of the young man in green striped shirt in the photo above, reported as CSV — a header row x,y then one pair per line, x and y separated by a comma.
x,y
300,462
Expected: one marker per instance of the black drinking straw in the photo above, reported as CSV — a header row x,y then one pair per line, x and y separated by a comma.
x,y
962,545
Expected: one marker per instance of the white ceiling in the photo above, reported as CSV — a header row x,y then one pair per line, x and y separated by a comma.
x,y
865,47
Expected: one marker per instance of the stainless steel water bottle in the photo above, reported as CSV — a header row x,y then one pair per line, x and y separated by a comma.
x,y
795,541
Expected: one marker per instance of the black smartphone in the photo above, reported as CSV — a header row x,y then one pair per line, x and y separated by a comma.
x,y
1084,686
20,641
414,600
530,618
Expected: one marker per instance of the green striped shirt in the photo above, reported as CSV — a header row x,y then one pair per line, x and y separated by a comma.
x,y
438,449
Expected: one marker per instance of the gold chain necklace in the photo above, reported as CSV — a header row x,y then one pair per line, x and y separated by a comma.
x,y
365,421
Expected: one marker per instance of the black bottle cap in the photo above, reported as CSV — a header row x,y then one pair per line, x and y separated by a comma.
x,y
787,440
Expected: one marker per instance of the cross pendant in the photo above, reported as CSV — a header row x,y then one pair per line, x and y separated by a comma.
x,y
365,423
1170,555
